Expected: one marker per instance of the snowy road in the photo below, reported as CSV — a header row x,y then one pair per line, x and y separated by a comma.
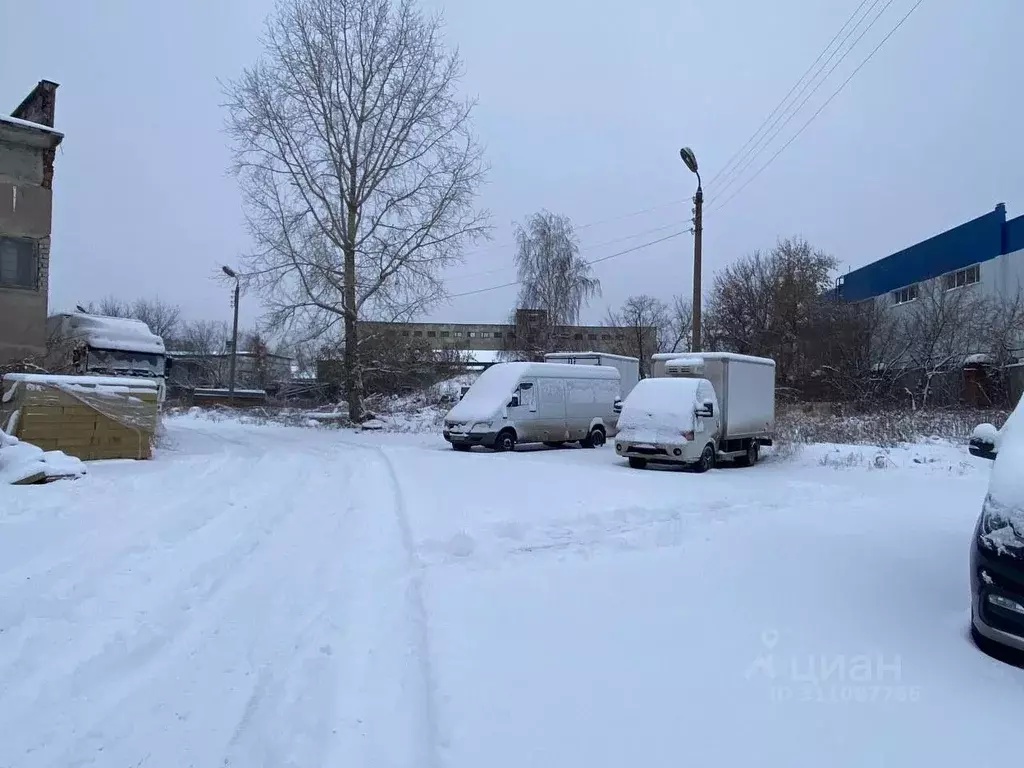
x,y
262,596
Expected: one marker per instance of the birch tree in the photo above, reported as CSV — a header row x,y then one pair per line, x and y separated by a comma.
x,y
358,167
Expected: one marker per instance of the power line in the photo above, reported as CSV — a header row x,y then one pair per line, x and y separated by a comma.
x,y
786,97
588,225
822,107
592,261
651,231
777,127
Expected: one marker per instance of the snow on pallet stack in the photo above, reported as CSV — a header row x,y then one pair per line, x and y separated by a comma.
x,y
90,417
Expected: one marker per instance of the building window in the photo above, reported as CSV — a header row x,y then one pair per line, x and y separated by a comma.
x,y
619,336
417,334
577,337
458,334
405,333
444,334
497,334
19,263
431,334
592,336
905,295
605,336
471,334
963,277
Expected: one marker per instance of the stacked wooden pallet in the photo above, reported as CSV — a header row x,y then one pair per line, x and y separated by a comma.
x,y
85,416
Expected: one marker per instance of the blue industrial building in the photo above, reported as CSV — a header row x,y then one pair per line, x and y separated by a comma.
x,y
988,251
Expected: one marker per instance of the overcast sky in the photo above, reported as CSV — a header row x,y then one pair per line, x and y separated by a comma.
x,y
583,106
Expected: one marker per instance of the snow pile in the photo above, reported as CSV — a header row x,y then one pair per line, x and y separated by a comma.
x,y
23,462
659,411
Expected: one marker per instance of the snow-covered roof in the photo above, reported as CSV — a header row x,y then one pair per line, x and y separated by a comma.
x,y
980,359
17,121
667,356
115,333
606,355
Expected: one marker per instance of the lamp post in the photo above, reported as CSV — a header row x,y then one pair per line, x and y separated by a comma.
x,y
234,338
690,160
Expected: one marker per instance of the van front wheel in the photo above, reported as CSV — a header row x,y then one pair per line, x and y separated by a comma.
x,y
707,459
594,440
505,441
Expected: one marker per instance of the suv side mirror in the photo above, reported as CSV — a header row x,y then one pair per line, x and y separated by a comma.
x,y
983,442
707,409
617,407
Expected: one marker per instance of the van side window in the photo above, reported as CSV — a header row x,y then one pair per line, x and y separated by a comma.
x,y
526,393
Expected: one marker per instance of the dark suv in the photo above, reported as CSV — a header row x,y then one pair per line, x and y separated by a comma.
x,y
997,548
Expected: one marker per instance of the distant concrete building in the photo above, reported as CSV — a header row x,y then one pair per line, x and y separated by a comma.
x,y
28,143
530,335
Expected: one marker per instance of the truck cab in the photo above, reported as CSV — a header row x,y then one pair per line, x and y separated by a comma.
x,y
84,344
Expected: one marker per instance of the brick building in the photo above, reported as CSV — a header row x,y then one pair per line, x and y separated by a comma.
x,y
28,144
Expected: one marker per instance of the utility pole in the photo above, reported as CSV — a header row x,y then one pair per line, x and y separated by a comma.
x,y
690,160
234,339
698,226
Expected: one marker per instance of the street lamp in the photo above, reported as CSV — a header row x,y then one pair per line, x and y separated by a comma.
x,y
234,337
690,160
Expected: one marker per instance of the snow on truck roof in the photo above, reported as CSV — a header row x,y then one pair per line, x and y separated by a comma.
x,y
607,355
115,333
689,356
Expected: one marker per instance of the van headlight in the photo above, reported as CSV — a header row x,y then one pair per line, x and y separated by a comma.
x,y
481,426
1002,528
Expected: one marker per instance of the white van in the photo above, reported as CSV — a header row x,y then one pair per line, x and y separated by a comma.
x,y
671,421
547,403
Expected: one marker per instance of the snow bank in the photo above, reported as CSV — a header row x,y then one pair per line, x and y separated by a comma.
x,y
659,410
21,461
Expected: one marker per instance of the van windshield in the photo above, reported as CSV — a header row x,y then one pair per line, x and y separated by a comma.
x,y
489,393
662,402
119,362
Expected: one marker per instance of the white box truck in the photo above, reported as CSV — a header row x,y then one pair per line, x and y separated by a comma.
x,y
628,367
745,389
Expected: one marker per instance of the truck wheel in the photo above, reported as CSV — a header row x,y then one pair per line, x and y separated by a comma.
x,y
707,459
636,463
505,441
750,459
594,440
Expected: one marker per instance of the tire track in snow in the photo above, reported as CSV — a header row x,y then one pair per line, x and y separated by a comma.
x,y
418,610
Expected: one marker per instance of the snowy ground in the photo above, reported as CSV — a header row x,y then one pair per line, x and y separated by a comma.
x,y
267,596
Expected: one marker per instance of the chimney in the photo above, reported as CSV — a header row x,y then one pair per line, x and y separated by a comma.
x,y
40,105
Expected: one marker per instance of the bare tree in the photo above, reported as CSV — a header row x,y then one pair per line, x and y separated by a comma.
x,y
942,328
647,325
552,274
162,317
357,164
767,304
680,325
